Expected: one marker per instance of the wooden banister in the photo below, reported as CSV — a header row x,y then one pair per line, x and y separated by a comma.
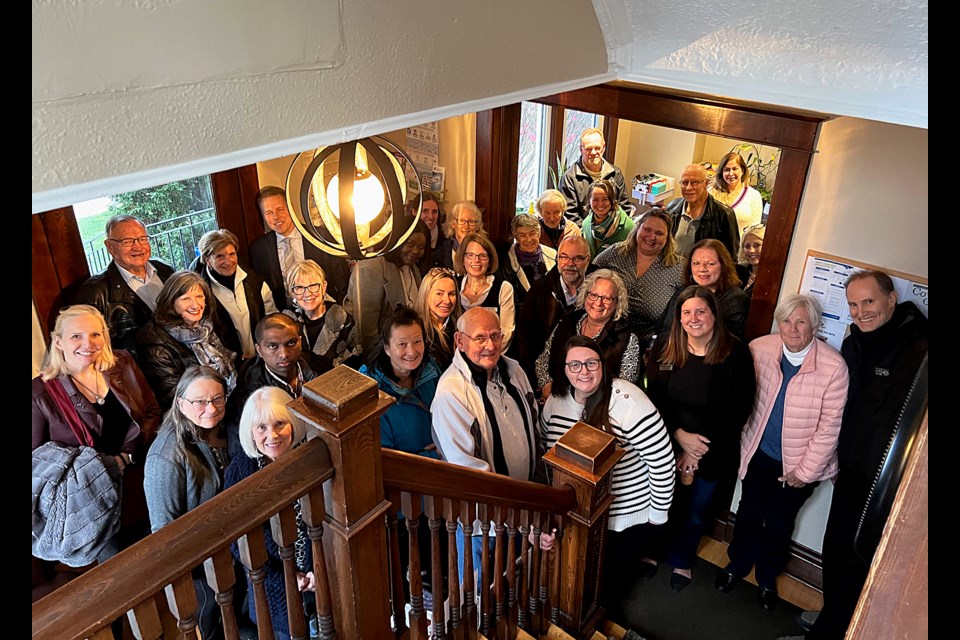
x,y
417,474
134,575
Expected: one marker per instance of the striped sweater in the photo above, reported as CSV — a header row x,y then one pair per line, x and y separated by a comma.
x,y
643,479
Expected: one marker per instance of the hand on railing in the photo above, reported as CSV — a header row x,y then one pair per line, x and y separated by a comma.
x,y
546,539
306,582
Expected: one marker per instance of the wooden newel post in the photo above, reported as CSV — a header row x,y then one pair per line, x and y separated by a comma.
x,y
345,407
583,458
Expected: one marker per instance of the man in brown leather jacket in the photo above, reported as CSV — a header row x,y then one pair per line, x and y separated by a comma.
x,y
126,292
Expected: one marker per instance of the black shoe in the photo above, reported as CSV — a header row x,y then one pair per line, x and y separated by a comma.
x,y
768,598
647,570
725,581
679,582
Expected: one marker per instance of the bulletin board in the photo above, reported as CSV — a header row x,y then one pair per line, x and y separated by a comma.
x,y
823,278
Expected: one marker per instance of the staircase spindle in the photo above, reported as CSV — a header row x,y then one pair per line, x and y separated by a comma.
x,y
556,555
182,602
485,571
467,516
543,606
511,568
103,634
412,506
145,622
499,626
221,577
434,508
253,556
534,595
283,527
523,578
397,599
451,510
313,512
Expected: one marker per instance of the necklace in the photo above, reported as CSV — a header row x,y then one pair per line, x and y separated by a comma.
x,y
96,394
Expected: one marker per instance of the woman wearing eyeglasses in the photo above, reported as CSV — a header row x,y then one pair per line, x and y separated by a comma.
x,y
701,379
379,284
185,466
328,333
642,486
601,315
183,332
483,285
438,303
465,217
607,223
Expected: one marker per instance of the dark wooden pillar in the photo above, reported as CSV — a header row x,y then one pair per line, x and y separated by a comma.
x,y
583,458
235,198
58,264
498,143
345,407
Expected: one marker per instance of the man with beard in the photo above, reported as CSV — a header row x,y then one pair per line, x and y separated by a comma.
x,y
549,300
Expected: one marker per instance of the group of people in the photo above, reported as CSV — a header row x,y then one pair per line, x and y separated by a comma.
x,y
179,381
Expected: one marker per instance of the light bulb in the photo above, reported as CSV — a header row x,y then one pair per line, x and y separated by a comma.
x,y
368,197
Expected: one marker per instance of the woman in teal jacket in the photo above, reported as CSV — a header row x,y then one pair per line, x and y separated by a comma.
x,y
607,223
404,369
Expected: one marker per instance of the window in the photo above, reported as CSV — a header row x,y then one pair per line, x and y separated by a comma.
x,y
176,215
574,123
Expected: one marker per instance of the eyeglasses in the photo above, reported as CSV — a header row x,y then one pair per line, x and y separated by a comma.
x,y
468,223
200,405
126,243
482,257
494,337
691,183
593,296
565,258
575,365
299,289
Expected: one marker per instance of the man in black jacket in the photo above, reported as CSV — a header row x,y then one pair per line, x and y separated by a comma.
x,y
126,292
697,215
269,253
279,363
884,350
549,300
575,183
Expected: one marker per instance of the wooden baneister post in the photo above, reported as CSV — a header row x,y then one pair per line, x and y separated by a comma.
x,y
583,458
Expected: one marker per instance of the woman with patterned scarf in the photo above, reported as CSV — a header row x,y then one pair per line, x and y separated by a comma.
x,y
605,225
526,260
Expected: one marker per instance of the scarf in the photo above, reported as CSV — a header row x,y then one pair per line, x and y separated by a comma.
x,y
610,227
207,348
300,545
529,259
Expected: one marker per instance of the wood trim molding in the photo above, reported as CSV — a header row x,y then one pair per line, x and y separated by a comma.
x,y
58,262
235,198
498,150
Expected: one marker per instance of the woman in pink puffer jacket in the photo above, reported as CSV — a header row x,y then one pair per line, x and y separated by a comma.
x,y
789,443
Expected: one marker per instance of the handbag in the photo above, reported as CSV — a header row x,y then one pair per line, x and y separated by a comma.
x,y
69,412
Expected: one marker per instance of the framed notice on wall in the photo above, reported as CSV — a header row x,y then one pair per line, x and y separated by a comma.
x,y
823,278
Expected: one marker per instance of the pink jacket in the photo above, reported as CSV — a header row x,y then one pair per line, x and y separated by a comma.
x,y
812,411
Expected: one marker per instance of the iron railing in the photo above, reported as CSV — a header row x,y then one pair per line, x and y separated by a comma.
x,y
173,241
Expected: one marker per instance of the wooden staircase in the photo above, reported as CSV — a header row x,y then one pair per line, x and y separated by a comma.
x,y
352,495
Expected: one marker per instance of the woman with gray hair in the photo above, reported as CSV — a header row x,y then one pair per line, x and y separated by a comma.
x,y
526,260
244,297
554,226
601,315
789,443
465,217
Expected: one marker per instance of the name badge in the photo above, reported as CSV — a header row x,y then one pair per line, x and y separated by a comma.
x,y
666,367
880,371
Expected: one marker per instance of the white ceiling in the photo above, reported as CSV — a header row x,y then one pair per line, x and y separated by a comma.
x,y
863,58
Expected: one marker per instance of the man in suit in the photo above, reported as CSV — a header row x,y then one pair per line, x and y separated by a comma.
x,y
275,252
126,292
697,215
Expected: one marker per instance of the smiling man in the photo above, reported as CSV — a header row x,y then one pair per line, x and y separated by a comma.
x,y
126,292
883,352
279,363
698,215
591,167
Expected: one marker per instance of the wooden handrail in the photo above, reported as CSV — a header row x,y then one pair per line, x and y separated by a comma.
x,y
426,476
145,568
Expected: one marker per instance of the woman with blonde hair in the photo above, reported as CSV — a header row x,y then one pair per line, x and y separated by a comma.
x,y
88,395
439,306
749,258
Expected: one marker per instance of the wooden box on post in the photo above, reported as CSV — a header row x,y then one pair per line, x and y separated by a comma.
x,y
583,458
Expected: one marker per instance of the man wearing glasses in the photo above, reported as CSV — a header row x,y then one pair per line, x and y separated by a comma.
x,y
126,292
549,300
697,215
591,167
465,217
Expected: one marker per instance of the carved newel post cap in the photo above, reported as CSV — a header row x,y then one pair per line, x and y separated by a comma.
x,y
339,392
586,449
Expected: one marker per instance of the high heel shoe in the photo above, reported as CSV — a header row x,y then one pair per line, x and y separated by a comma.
x,y
647,570
679,582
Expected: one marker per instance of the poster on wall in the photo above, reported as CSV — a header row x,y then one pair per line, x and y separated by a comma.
x,y
823,278
423,147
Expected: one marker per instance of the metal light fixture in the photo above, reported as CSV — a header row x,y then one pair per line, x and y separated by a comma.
x,y
349,199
